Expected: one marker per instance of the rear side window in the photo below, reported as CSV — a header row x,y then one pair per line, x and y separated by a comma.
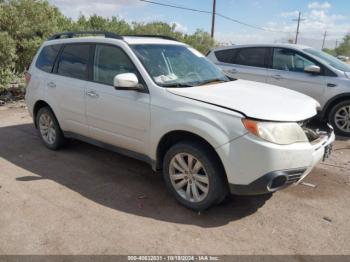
x,y
73,61
251,57
226,56
47,57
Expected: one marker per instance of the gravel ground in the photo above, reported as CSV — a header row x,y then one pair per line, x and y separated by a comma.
x,y
86,200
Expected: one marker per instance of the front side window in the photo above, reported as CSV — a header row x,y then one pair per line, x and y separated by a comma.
x,y
330,60
73,61
177,65
251,57
289,60
110,61
47,57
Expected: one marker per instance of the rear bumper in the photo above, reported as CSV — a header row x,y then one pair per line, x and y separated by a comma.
x,y
254,166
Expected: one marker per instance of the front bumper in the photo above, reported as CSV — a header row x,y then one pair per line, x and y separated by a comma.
x,y
254,166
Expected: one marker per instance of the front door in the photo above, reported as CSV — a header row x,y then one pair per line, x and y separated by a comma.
x,y
288,71
117,117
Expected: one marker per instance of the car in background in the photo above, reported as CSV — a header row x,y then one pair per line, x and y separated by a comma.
x,y
300,68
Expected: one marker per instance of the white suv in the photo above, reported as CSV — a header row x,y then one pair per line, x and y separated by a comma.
x,y
163,102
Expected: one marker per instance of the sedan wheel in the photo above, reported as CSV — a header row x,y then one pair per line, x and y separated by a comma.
x,y
342,118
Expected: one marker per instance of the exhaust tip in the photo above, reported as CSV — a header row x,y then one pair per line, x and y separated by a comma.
x,y
277,182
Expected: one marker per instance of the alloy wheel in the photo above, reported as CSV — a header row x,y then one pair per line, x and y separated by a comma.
x,y
47,129
342,118
189,177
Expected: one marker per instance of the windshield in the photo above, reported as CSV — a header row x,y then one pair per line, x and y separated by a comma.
x,y
330,60
177,66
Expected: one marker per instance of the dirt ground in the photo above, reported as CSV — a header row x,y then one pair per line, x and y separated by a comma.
x,y
86,200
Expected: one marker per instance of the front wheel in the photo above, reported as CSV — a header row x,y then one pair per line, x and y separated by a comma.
x,y
193,174
339,117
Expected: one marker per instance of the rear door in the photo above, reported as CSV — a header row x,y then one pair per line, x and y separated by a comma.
x,y
66,87
287,70
244,63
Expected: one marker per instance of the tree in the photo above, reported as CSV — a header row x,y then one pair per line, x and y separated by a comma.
x,y
344,47
7,58
28,22
200,40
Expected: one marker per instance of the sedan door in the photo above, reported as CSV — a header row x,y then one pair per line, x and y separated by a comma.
x,y
117,117
244,63
287,70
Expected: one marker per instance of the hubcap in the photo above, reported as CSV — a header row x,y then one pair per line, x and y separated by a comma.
x,y
47,130
342,118
188,177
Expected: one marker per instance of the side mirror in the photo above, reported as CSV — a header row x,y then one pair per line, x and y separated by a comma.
x,y
127,81
312,69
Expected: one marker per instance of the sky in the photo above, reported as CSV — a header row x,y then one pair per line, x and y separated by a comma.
x,y
332,16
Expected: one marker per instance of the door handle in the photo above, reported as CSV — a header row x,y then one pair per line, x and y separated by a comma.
x,y
92,94
277,77
232,71
331,85
51,84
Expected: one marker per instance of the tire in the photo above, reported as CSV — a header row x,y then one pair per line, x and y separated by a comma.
x,y
339,118
209,181
49,130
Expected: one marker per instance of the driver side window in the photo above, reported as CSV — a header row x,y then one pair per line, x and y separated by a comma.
x,y
289,60
110,61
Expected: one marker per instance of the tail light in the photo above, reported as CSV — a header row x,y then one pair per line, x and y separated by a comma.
x,y
27,77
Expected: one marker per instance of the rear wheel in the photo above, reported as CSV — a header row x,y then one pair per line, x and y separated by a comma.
x,y
49,129
194,176
339,117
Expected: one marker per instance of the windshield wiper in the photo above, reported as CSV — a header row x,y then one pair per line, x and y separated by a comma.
x,y
211,81
176,85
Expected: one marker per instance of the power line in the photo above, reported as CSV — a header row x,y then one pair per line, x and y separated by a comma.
x,y
217,14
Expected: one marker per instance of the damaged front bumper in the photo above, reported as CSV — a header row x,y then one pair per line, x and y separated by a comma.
x,y
266,167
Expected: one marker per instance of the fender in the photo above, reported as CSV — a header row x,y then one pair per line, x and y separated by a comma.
x,y
323,114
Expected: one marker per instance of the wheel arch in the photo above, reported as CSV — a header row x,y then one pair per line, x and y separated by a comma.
x,y
171,138
332,102
37,106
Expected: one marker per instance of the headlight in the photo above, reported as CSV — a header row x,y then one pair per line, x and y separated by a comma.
x,y
275,132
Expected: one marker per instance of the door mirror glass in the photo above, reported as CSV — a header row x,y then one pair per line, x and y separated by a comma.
x,y
127,81
313,69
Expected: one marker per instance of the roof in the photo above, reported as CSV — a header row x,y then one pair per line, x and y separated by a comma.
x,y
109,37
291,46
149,40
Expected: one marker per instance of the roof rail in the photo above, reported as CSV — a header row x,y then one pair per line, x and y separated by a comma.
x,y
156,36
74,34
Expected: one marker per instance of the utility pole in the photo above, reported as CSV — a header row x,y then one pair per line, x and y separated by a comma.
x,y
324,39
297,33
213,19
336,43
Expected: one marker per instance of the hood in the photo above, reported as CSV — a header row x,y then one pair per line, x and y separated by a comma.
x,y
254,100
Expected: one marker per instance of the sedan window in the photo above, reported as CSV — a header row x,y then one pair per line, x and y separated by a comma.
x,y
251,57
289,60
